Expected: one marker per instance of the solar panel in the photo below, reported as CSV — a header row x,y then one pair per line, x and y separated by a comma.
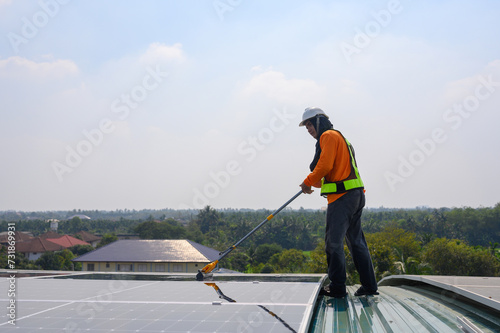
x,y
78,305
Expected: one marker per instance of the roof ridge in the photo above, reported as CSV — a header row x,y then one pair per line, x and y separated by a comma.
x,y
43,245
204,249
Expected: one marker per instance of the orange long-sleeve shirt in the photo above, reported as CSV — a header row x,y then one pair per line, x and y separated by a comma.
x,y
334,163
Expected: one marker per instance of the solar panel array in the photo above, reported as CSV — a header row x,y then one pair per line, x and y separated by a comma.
x,y
79,305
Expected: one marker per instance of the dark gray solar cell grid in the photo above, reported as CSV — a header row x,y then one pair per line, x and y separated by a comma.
x,y
74,305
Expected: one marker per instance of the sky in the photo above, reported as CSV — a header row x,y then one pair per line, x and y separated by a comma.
x,y
110,105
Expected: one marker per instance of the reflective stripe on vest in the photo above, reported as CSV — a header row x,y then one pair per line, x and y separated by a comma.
x,y
346,184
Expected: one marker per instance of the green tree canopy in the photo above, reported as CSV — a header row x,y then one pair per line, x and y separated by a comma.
x,y
208,218
318,262
453,257
288,261
160,230
264,252
59,261
78,250
106,239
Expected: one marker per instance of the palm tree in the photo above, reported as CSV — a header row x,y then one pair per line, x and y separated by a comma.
x,y
493,251
410,265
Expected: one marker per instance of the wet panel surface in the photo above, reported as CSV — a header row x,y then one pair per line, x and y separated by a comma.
x,y
78,305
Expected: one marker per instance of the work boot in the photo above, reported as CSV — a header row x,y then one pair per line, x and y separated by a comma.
x,y
362,292
326,291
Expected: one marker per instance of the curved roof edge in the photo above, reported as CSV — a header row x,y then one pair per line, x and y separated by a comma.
x,y
483,290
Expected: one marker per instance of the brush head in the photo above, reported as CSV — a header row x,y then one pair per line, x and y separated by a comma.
x,y
210,267
204,276
205,271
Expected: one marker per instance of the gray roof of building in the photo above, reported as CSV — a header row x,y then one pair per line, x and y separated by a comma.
x,y
165,250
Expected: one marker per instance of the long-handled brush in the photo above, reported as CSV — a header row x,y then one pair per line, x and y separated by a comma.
x,y
202,273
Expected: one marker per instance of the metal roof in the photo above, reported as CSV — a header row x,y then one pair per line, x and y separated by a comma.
x,y
415,304
481,289
165,250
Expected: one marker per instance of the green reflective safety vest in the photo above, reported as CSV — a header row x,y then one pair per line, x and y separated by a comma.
x,y
352,182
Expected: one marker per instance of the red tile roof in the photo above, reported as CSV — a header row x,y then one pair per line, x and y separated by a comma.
x,y
38,245
67,241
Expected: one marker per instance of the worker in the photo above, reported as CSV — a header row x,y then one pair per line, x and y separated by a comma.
x,y
335,171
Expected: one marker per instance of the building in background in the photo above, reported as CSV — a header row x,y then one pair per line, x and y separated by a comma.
x,y
18,235
88,237
131,255
35,247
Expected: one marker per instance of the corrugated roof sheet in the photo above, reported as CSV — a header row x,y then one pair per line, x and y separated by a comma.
x,y
404,306
165,250
481,289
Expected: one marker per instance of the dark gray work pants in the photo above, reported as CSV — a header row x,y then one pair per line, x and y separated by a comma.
x,y
343,220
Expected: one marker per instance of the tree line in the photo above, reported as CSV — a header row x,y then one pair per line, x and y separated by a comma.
x,y
458,241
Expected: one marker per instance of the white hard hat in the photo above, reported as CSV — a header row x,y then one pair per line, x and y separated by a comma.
x,y
311,113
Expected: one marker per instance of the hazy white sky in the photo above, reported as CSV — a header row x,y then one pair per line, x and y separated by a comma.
x,y
178,104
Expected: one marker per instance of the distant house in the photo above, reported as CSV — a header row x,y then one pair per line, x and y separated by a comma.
x,y
18,235
88,237
80,216
35,247
131,255
67,241
54,224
